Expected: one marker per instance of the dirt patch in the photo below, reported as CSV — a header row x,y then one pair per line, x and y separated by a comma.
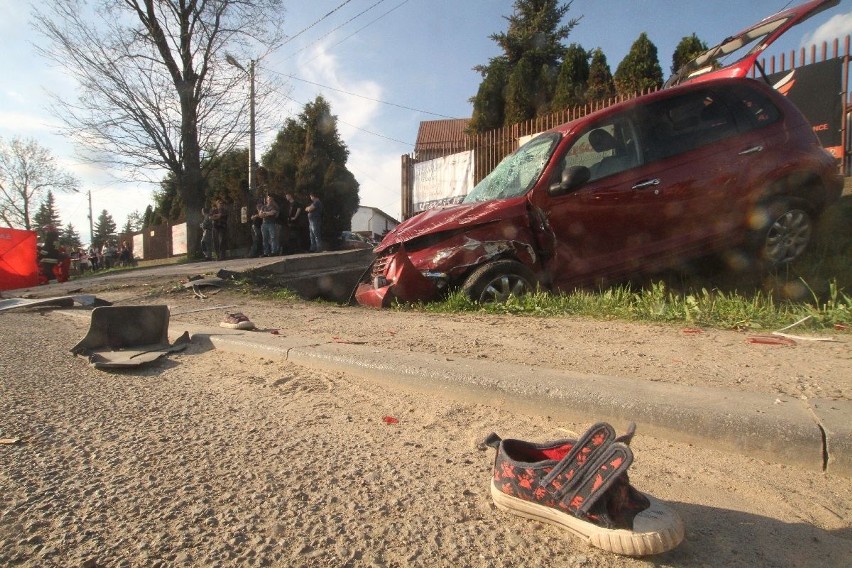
x,y
748,361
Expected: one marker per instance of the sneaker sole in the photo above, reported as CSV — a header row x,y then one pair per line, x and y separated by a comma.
x,y
241,325
658,528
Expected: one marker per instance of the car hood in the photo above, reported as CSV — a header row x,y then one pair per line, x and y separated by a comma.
x,y
710,64
453,218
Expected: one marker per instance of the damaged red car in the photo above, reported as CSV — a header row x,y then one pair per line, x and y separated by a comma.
x,y
711,166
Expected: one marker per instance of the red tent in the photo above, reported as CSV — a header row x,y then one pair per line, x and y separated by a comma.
x,y
18,259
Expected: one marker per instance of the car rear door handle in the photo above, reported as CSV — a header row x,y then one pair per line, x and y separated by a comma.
x,y
647,184
752,150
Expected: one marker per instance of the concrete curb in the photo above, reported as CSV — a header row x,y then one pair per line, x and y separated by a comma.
x,y
814,434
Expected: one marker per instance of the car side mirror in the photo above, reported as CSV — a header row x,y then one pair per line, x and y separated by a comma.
x,y
572,178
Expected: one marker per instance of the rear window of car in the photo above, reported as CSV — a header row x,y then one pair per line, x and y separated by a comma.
x,y
683,123
759,109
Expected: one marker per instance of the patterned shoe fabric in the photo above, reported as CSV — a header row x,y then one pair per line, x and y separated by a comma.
x,y
582,485
236,320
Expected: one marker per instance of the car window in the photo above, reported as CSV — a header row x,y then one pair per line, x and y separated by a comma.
x,y
683,123
517,173
759,109
606,149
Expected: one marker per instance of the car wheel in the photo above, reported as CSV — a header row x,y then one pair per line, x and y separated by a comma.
x,y
496,281
785,232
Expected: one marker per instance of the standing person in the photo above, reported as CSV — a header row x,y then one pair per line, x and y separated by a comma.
x,y
108,254
206,234
256,235
93,258
269,227
294,219
219,215
314,211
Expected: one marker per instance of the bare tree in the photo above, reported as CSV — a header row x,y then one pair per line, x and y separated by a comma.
x,y
155,91
27,172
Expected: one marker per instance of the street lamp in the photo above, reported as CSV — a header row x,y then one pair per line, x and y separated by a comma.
x,y
252,177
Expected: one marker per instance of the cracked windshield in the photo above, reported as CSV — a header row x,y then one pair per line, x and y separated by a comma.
x,y
516,174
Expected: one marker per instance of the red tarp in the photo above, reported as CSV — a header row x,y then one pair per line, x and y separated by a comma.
x,y
18,259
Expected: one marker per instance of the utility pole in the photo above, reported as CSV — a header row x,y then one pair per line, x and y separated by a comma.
x,y
252,173
91,224
252,178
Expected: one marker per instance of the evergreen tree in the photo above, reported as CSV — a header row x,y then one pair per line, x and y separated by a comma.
x,y
573,79
227,177
520,93
488,104
688,48
168,205
148,217
525,75
640,69
46,215
600,85
104,228
308,156
70,239
133,223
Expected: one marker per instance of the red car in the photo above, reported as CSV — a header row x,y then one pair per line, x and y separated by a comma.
x,y
705,167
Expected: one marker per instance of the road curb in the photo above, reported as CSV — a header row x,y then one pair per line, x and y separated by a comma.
x,y
813,434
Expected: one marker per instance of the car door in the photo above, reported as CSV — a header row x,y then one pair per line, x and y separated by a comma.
x,y
692,154
606,226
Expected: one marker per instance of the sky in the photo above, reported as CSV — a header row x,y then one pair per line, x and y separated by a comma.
x,y
383,72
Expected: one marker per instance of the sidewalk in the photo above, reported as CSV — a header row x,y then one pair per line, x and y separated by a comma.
x,y
814,434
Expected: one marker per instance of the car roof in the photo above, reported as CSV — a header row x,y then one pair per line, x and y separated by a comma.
x,y
650,98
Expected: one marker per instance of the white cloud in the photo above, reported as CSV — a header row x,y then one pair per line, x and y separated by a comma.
x,y
837,27
376,168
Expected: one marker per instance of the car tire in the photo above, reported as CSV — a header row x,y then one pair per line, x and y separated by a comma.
x,y
783,233
496,281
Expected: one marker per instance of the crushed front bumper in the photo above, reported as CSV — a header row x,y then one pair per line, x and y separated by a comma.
x,y
394,277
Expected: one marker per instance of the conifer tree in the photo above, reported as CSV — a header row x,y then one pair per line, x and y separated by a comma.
x,y
573,79
489,103
46,215
600,84
104,228
70,238
640,69
688,48
308,156
526,71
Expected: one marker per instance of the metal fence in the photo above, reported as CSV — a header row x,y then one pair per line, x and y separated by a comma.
x,y
492,146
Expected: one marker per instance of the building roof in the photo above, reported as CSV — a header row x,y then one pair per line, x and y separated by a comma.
x,y
441,137
378,211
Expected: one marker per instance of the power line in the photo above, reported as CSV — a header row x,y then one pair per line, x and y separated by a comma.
x,y
400,5
357,127
359,14
359,96
291,38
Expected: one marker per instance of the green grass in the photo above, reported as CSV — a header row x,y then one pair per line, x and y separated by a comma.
x,y
818,287
657,303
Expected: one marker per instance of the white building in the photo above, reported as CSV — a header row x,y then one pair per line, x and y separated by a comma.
x,y
372,222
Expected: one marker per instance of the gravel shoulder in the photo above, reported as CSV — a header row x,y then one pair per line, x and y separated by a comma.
x,y
208,458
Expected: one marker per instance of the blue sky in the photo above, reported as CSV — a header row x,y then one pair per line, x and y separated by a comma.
x,y
409,60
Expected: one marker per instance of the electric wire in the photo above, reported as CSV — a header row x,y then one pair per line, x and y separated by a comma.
x,y
316,41
291,38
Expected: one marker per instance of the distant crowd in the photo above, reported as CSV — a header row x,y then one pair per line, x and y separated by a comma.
x,y
276,229
56,262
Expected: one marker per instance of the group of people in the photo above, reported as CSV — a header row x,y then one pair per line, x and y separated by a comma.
x,y
110,255
275,229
